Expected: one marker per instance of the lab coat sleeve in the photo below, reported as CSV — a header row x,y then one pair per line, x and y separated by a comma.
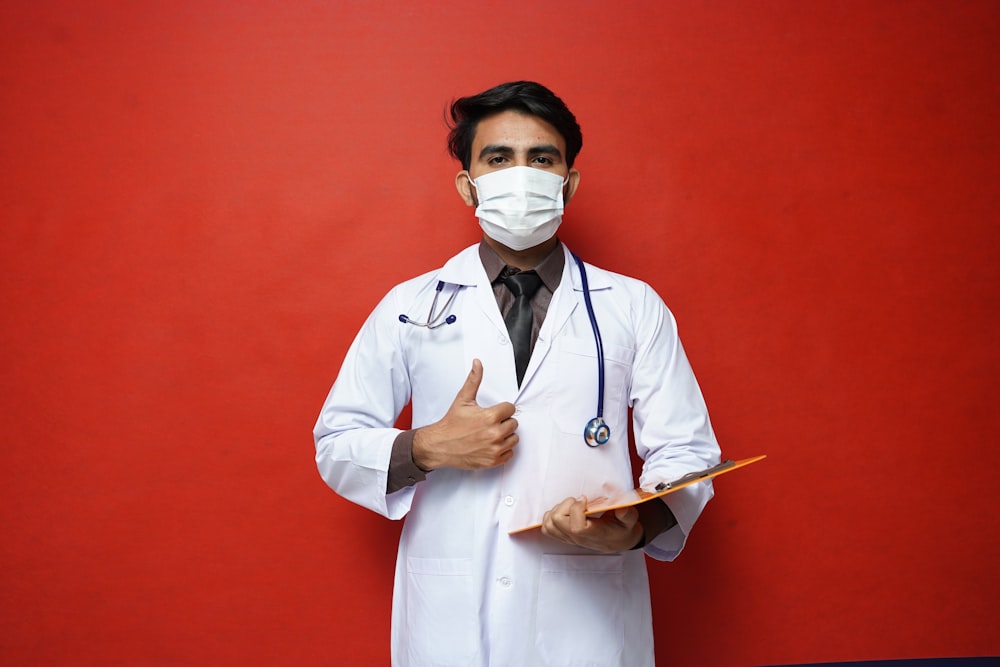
x,y
672,429
355,429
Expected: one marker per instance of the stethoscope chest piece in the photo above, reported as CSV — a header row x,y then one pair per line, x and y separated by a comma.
x,y
597,432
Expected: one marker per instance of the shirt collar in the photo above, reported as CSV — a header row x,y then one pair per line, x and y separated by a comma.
x,y
550,269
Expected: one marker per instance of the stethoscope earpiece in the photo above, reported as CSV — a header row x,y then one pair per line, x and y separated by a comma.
x,y
433,317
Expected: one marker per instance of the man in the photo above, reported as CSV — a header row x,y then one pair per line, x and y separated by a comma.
x,y
502,378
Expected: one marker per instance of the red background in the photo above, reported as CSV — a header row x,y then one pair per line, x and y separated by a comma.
x,y
201,201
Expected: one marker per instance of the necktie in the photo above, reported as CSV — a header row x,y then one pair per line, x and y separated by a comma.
x,y
519,319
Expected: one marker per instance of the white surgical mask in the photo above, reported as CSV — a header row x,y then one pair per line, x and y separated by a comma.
x,y
520,206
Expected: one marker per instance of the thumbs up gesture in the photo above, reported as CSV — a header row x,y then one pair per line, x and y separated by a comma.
x,y
469,437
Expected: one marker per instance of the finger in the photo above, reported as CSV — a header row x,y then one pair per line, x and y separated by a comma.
x,y
467,394
500,431
510,441
627,516
499,434
550,527
561,516
502,411
562,509
577,518
547,524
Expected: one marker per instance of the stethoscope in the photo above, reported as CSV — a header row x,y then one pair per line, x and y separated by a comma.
x,y
434,319
597,432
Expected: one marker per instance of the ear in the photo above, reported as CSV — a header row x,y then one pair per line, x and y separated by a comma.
x,y
463,183
570,188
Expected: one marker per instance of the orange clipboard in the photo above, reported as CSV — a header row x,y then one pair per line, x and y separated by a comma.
x,y
636,496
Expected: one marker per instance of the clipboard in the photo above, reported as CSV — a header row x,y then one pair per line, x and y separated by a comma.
x,y
637,496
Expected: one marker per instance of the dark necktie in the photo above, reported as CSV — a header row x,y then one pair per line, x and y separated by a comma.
x,y
519,318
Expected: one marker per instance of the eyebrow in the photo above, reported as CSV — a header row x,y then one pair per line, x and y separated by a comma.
x,y
540,149
495,148
545,149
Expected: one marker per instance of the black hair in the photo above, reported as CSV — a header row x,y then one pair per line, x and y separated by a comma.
x,y
524,96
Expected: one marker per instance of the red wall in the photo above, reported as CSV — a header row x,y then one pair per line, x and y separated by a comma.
x,y
201,201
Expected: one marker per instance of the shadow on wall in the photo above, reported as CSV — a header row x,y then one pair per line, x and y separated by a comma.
x,y
919,662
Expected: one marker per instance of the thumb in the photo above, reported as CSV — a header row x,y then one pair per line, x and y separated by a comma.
x,y
470,388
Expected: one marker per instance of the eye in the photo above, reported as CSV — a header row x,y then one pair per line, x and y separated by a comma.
x,y
542,160
496,160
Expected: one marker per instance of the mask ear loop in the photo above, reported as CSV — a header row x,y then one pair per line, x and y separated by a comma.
x,y
474,189
597,432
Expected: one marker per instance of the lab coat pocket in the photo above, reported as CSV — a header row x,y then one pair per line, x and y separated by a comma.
x,y
442,620
575,398
581,620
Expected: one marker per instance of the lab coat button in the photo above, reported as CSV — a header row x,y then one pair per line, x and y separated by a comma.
x,y
502,340
508,501
505,582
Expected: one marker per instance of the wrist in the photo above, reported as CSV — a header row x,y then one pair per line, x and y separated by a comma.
x,y
420,452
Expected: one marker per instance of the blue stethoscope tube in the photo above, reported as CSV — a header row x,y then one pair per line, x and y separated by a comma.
x,y
597,432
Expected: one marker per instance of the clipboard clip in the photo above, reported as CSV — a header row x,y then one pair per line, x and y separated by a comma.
x,y
697,474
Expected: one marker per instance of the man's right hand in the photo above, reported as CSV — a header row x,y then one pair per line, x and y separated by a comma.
x,y
468,437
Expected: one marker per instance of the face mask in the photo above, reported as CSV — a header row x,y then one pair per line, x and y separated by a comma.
x,y
520,206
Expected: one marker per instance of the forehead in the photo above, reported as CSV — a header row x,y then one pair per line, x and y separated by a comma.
x,y
515,129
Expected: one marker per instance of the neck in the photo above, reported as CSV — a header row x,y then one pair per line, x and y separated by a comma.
x,y
525,259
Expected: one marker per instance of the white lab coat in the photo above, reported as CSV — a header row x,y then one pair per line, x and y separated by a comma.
x,y
466,592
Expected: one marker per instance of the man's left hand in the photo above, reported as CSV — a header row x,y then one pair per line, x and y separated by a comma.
x,y
614,531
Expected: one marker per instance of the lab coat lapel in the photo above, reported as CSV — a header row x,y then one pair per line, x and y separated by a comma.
x,y
467,269
484,324
464,268
487,302
560,308
565,300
